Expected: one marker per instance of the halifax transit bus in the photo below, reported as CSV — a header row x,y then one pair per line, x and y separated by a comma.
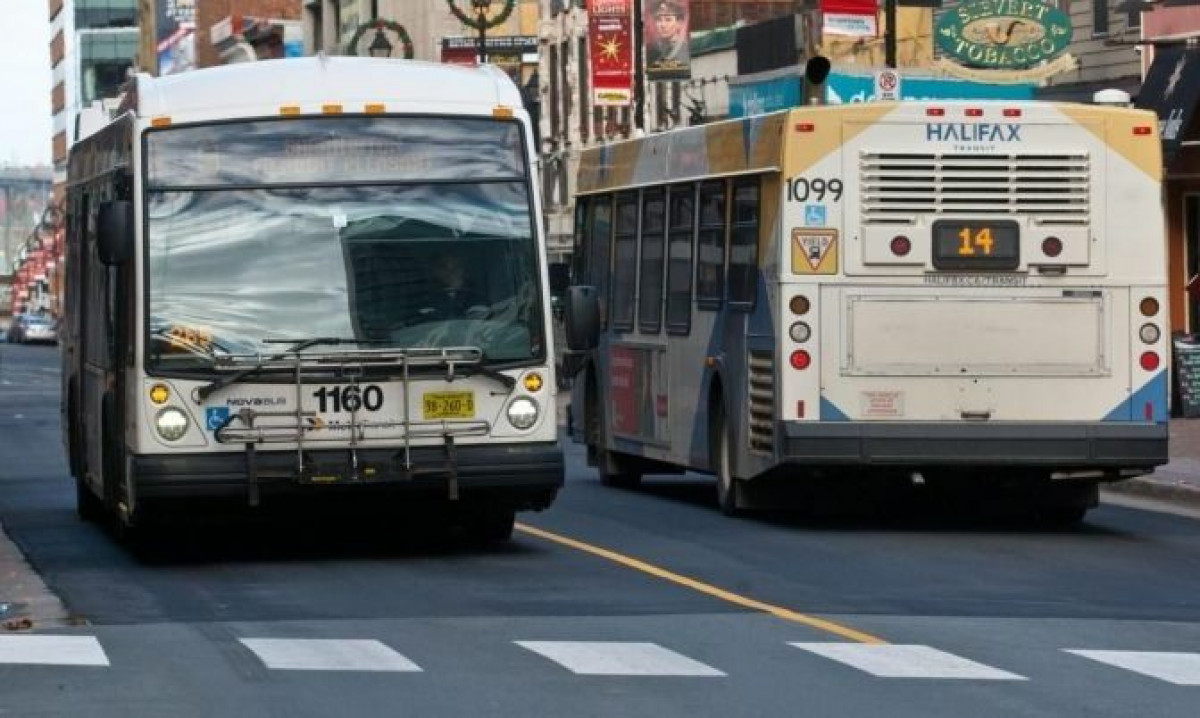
x,y
310,276
969,295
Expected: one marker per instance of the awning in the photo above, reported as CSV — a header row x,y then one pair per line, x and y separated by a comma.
x,y
1172,90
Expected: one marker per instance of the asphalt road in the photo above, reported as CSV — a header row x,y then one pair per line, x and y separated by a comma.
x,y
612,603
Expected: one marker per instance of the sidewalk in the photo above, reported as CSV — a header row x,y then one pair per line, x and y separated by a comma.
x,y
1179,480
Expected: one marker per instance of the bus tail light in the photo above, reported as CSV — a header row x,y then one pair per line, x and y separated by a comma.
x,y
1148,307
1052,246
1149,361
1149,333
901,245
801,360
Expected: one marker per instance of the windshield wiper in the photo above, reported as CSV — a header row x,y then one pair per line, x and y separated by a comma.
x,y
484,370
298,345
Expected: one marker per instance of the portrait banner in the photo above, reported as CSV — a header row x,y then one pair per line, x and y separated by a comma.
x,y
610,44
667,30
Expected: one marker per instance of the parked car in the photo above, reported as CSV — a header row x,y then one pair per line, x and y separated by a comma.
x,y
33,328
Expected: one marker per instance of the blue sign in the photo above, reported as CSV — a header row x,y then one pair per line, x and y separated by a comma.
x,y
756,98
841,88
215,416
814,215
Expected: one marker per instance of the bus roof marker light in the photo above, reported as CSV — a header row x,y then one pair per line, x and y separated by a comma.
x,y
974,112
289,110
805,127
1011,112
332,108
935,112
1142,130
375,108
502,111
161,121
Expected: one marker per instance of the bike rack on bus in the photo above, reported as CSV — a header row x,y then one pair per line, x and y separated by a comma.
x,y
251,427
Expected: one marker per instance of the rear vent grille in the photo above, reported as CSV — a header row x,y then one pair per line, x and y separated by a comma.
x,y
762,401
1053,189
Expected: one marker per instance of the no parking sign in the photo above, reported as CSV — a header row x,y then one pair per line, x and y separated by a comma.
x,y
887,85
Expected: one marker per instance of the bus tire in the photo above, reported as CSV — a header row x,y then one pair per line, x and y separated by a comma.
x,y
728,487
491,525
88,505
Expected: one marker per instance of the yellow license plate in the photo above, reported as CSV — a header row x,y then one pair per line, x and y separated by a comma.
x,y
448,405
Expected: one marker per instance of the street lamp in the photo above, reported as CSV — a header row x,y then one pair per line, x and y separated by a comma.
x,y
481,7
380,47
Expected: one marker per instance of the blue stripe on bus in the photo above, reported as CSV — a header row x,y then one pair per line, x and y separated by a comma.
x,y
830,412
1153,394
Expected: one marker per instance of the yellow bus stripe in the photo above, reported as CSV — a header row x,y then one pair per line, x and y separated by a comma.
x,y
708,589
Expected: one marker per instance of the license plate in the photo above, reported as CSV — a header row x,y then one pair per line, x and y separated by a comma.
x,y
976,245
448,405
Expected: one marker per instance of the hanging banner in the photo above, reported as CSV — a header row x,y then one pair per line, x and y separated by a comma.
x,y
610,45
176,26
850,18
667,32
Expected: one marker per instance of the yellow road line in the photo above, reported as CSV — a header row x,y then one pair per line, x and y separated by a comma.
x,y
638,565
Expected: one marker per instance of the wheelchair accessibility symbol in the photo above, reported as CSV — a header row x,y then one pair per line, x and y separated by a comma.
x,y
215,416
814,215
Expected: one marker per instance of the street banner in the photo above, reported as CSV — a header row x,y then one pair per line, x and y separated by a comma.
x,y
176,26
667,31
852,18
610,44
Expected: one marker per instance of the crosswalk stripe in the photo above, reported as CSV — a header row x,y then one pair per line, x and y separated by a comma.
x,y
613,658
52,650
308,654
1182,669
906,661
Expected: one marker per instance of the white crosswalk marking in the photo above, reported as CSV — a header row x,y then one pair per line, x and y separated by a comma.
x,y
52,650
611,658
1182,669
896,661
309,654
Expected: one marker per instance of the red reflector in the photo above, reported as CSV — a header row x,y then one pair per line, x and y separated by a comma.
x,y
800,409
801,360
935,112
974,112
1149,411
1142,130
1149,360
805,127
901,246
1011,112
1052,246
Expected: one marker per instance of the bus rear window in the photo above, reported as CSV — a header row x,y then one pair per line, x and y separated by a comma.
x,y
334,150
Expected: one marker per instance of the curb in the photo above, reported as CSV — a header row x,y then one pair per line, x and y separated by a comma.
x,y
1159,487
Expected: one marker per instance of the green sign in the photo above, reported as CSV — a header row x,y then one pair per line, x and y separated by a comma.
x,y
1003,34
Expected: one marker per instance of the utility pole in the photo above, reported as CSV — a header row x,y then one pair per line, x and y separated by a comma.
x,y
889,39
639,72
148,36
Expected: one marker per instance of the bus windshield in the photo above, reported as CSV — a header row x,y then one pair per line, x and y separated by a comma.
x,y
291,230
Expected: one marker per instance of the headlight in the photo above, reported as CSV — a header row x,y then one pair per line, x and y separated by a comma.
x,y
523,412
171,423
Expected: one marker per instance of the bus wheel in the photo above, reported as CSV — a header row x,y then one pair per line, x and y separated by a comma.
x,y
88,505
728,487
491,525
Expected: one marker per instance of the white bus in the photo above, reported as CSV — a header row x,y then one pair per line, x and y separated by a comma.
x,y
310,276
950,293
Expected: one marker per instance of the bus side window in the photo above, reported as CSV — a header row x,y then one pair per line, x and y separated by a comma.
x,y
682,222
710,245
650,280
600,236
625,247
743,245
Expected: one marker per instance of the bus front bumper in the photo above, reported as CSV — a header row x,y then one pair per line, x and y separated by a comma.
x,y
1095,445
527,476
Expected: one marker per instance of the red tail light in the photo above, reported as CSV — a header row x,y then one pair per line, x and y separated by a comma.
x,y
1149,360
801,360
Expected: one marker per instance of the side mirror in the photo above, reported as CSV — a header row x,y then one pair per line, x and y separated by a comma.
x,y
583,319
114,229
816,69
